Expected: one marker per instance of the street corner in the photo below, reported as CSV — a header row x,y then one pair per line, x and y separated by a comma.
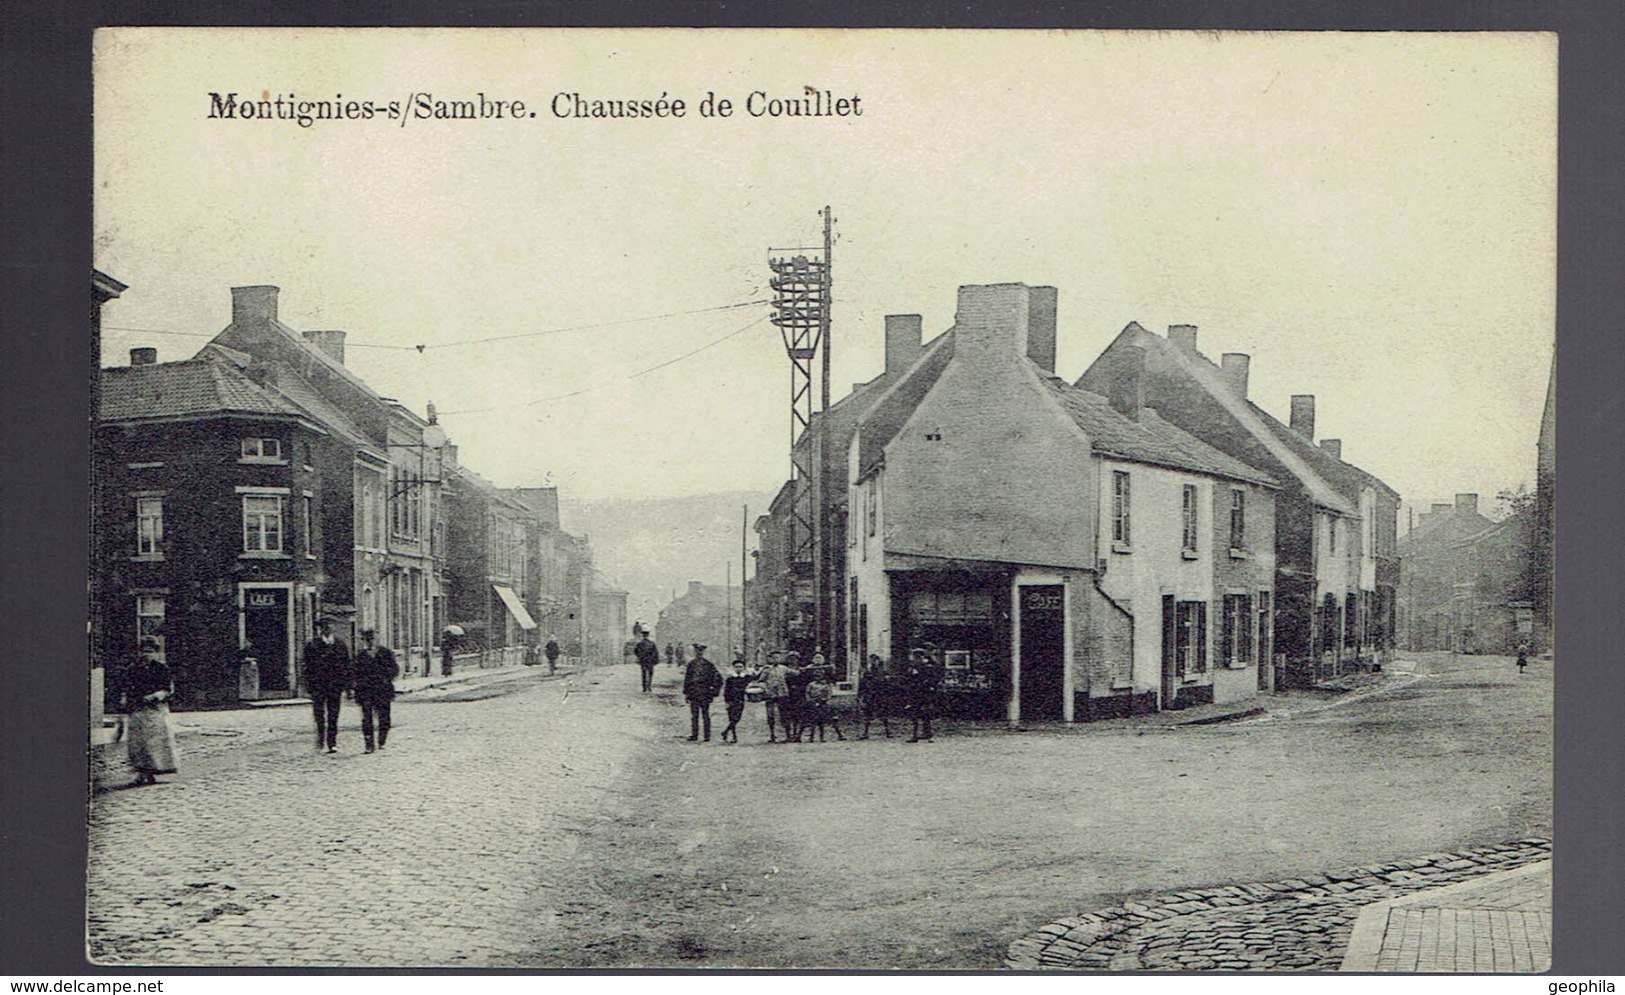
x,y
1324,922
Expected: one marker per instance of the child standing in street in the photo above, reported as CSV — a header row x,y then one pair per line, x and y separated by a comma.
x,y
733,695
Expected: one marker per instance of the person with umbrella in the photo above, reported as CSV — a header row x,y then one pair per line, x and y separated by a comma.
x,y
448,647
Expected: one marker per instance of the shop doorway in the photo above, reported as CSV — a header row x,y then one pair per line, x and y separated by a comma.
x,y
267,623
1043,652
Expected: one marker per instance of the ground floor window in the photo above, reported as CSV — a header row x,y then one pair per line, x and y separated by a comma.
x,y
149,620
1236,633
966,619
1190,637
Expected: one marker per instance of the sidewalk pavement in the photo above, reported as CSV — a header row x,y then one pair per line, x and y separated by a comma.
x,y
1480,909
1499,923
112,730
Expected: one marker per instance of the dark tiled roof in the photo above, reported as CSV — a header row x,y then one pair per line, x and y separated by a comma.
x,y
1149,440
189,388
882,420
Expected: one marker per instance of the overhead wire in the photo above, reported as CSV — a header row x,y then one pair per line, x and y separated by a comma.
x,y
629,377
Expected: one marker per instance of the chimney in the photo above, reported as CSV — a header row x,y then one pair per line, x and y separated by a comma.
x,y
253,303
331,343
1183,336
1303,415
1041,303
903,337
1233,366
1467,504
1126,388
991,321
143,356
1333,447
1440,508
694,586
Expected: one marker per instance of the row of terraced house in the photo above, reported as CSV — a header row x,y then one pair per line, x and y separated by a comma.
x,y
260,484
1143,537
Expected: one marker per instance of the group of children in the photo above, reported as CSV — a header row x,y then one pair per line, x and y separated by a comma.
x,y
797,698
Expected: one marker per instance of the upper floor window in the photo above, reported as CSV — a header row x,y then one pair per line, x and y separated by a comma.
x,y
1331,535
870,499
262,450
262,523
149,525
1238,518
1189,517
1121,526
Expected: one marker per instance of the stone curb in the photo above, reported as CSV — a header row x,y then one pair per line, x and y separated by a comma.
x,y
1110,939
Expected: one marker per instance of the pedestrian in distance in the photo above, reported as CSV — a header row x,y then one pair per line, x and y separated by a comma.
x,y
775,688
375,673
701,683
648,657
328,675
734,688
923,679
147,689
819,710
551,651
1523,658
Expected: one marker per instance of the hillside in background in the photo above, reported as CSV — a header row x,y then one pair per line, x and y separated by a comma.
x,y
653,547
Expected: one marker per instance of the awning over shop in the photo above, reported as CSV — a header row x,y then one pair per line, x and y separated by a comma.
x,y
516,608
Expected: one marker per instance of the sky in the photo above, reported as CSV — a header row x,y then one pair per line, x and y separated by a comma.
x,y
1371,216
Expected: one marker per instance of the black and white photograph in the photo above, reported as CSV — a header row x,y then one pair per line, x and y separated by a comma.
x,y
822,499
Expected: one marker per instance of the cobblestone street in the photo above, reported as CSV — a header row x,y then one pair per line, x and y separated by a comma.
x,y
524,821
431,852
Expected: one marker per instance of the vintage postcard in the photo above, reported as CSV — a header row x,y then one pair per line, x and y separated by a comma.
x,y
845,499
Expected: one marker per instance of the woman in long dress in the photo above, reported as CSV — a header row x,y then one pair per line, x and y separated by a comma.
x,y
147,687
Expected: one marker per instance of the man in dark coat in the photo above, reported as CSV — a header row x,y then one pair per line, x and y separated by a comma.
x,y
327,676
551,651
701,682
375,673
648,655
923,679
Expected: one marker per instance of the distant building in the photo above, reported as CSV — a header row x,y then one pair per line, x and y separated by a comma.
x,y
1069,555
705,613
489,533
1433,560
1336,533
608,632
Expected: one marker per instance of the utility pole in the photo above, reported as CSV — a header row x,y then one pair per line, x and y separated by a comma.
x,y
826,600
744,602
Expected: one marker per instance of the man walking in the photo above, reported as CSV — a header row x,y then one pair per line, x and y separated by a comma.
x,y
701,682
375,673
648,655
551,651
327,676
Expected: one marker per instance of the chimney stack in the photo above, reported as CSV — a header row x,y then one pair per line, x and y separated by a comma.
x,y
1303,415
1440,508
991,321
329,342
1041,306
1126,388
143,356
1333,447
694,586
903,336
253,303
1234,366
1183,336
1467,504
